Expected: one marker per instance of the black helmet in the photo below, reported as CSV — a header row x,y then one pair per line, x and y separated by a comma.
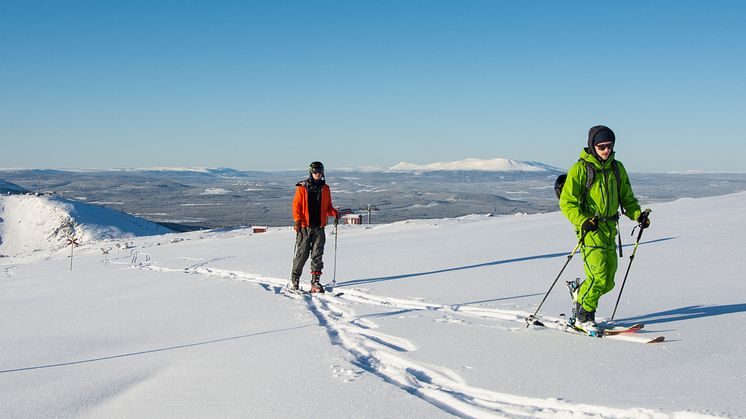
x,y
316,167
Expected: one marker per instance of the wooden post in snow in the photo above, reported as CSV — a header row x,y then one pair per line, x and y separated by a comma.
x,y
106,255
72,242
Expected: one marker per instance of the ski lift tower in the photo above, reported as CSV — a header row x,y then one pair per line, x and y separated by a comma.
x,y
369,208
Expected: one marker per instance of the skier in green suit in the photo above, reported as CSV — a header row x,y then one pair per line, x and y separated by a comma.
x,y
592,209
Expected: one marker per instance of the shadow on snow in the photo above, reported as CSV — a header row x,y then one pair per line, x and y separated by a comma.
x,y
151,351
686,313
474,266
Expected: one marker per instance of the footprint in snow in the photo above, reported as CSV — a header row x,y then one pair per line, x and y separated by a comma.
x,y
346,374
448,319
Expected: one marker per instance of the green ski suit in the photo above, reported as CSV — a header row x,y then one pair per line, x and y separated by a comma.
x,y
602,198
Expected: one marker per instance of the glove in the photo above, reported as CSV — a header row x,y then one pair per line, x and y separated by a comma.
x,y
297,226
644,220
590,224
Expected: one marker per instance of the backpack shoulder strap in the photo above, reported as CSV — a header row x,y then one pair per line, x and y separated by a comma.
x,y
590,176
615,168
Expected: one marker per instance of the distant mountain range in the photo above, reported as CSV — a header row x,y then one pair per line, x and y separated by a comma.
x,y
497,164
185,198
473,164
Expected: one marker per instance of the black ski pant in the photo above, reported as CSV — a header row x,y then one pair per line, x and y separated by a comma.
x,y
309,241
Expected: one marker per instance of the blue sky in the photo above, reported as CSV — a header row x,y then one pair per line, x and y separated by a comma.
x,y
274,85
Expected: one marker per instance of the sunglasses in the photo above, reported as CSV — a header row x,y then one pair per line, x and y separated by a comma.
x,y
317,171
604,146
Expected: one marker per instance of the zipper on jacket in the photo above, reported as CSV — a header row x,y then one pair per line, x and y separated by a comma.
x,y
605,193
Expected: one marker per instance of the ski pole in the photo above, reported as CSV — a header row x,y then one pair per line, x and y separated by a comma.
x,y
336,235
292,264
532,318
631,258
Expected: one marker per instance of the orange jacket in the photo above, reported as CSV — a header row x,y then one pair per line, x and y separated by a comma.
x,y
300,205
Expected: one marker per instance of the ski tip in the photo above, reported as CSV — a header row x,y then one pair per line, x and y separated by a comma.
x,y
658,339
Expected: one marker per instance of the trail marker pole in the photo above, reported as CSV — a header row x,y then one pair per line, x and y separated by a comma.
x,y
72,242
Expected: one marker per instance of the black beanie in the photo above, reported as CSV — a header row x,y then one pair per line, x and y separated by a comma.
x,y
600,134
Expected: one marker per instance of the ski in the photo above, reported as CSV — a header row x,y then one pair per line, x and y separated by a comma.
x,y
614,332
628,334
628,337
611,331
290,291
301,292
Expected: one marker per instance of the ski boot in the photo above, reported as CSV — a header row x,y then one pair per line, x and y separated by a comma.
x,y
294,285
585,321
573,286
316,283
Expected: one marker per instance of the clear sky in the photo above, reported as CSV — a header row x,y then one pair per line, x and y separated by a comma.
x,y
265,85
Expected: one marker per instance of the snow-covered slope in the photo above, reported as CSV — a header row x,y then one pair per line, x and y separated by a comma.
x,y
31,223
472,164
431,324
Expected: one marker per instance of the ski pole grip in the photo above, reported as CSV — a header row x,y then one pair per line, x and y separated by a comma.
x,y
639,234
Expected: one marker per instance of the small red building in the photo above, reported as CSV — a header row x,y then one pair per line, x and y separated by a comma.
x,y
352,219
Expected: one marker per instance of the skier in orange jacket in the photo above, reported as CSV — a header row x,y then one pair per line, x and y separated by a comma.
x,y
311,207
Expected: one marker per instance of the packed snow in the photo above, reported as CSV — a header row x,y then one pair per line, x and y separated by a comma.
x,y
430,323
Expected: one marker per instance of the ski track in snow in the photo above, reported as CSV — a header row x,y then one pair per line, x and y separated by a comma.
x,y
385,355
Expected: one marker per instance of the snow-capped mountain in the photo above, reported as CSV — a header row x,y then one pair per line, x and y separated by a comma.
x,y
497,164
31,223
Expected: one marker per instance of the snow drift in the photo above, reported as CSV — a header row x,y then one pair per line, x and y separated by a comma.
x,y
31,223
